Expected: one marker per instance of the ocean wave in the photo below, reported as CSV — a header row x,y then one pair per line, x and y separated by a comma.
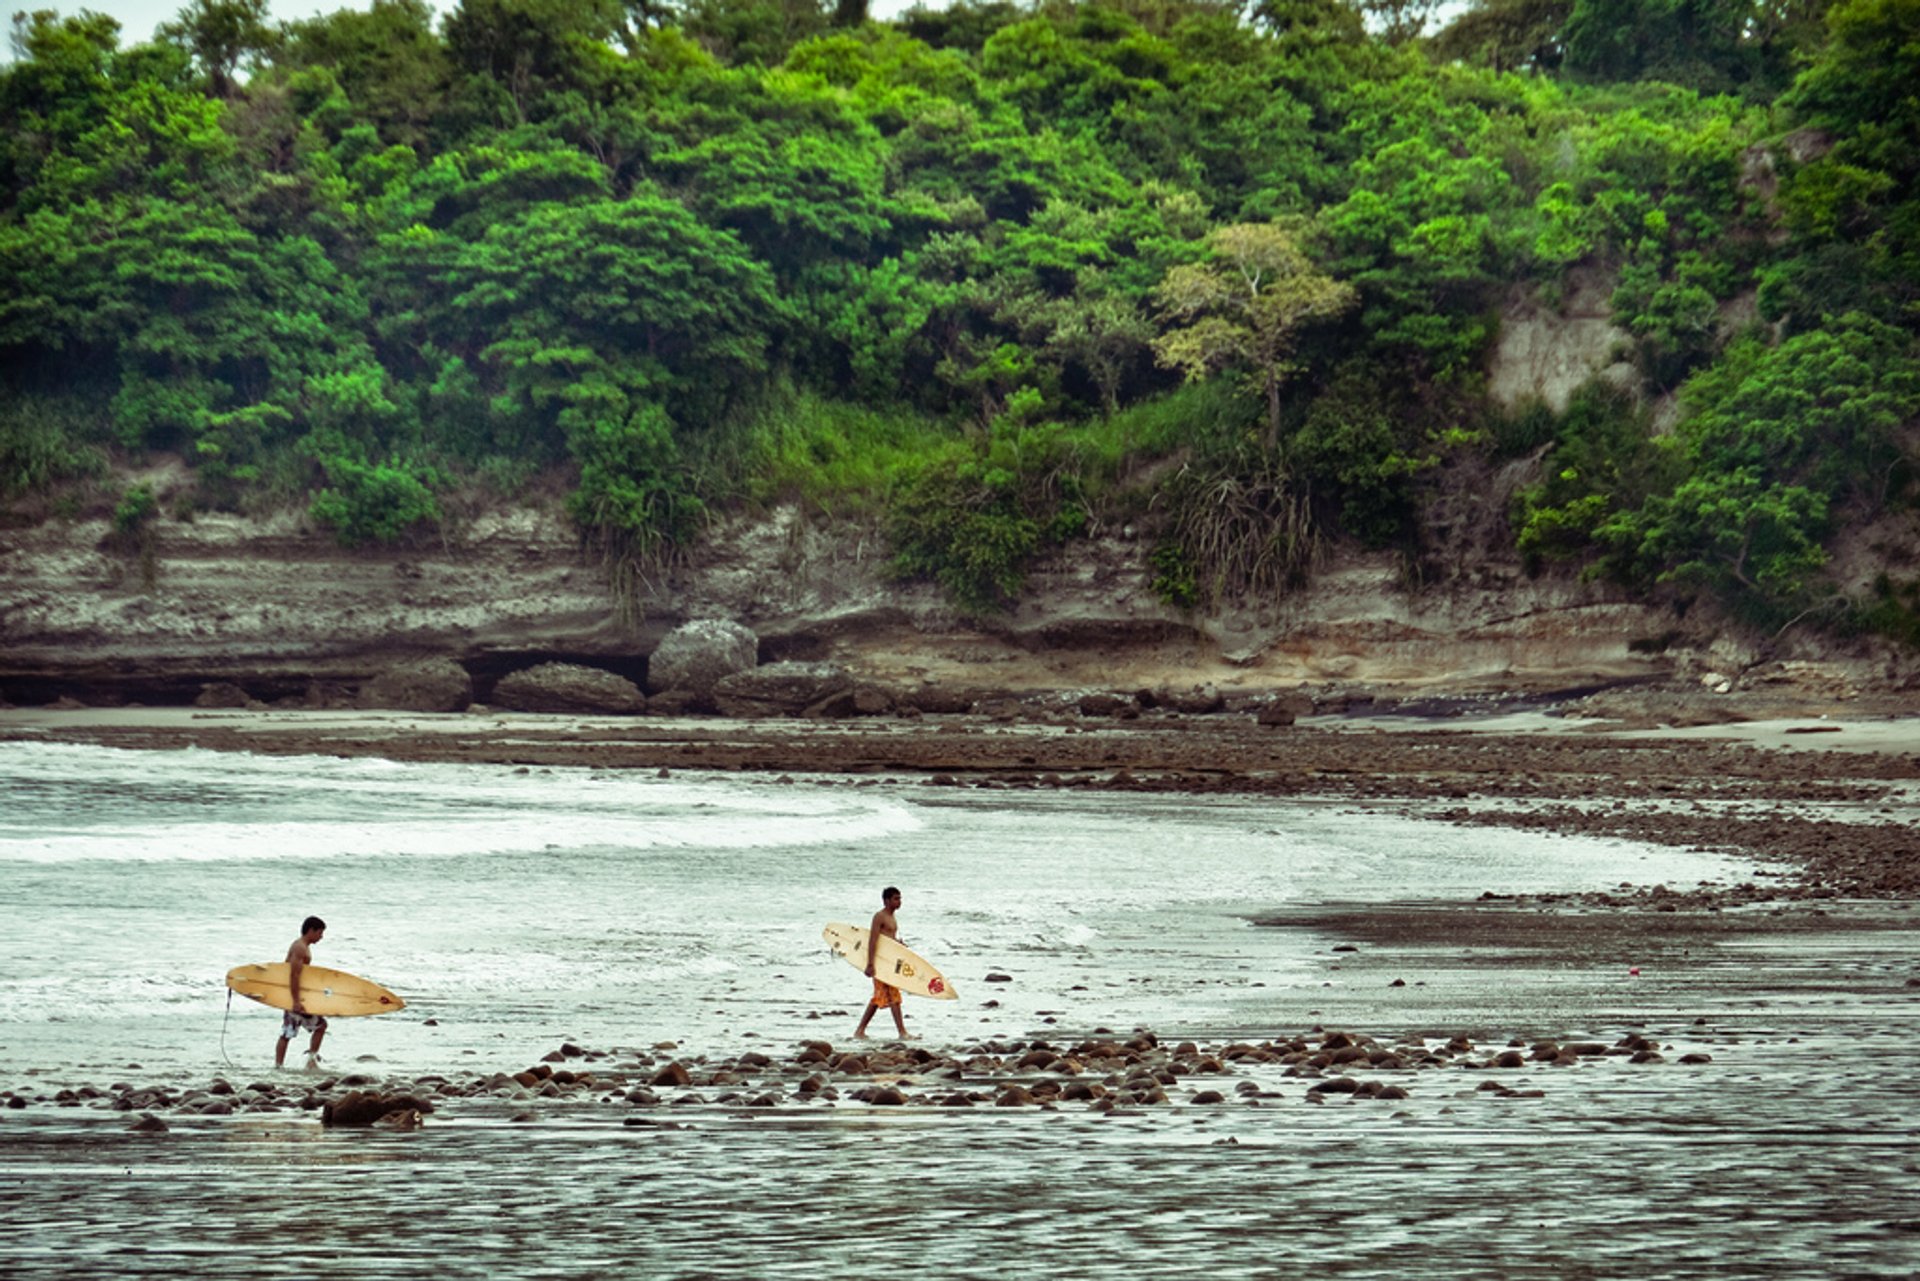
x,y
77,803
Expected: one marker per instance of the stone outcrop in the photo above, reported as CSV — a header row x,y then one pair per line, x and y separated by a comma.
x,y
221,694
1196,700
371,1107
1108,703
568,687
1549,352
290,619
423,685
787,689
1283,709
695,657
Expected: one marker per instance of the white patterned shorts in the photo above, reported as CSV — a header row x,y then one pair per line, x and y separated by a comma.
x,y
294,1024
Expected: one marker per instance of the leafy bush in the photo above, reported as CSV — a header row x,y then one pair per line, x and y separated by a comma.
x,y
962,523
972,515
1359,445
634,498
1175,580
373,502
135,509
1604,460
1519,431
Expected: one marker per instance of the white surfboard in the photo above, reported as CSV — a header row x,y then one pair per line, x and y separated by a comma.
x,y
893,964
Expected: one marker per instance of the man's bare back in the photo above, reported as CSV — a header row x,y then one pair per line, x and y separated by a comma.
x,y
299,957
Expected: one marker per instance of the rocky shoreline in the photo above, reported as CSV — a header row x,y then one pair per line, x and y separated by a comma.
x,y
1105,1073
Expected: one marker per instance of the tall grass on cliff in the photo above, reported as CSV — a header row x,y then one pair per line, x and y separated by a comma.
x,y
47,442
836,457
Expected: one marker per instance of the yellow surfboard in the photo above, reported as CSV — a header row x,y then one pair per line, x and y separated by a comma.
x,y
893,964
334,993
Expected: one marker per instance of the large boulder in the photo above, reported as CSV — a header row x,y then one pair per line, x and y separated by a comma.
x,y
423,685
1197,700
1106,702
221,694
369,1107
1283,709
696,656
568,687
787,689
938,700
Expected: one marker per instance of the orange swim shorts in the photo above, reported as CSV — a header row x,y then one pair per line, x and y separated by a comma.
x,y
884,997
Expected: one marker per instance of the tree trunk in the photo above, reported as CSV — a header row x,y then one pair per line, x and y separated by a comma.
x,y
1273,412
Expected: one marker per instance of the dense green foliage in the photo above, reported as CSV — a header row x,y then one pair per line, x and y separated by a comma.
x,y
993,276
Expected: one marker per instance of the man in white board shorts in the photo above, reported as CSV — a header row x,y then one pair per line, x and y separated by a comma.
x,y
884,997
297,1020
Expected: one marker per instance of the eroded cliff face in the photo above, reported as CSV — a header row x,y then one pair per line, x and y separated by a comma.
x,y
1546,353
280,609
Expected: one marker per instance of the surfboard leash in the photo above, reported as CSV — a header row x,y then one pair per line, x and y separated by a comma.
x,y
223,1027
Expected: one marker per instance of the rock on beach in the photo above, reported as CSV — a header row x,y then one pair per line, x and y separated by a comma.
x,y
1105,1074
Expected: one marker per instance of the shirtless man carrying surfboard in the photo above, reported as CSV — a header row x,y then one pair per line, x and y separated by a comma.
x,y
297,1020
884,997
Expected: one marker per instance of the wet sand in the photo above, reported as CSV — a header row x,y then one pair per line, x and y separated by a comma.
x,y
1707,1078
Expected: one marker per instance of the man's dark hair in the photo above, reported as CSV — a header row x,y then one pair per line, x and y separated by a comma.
x,y
311,924
888,893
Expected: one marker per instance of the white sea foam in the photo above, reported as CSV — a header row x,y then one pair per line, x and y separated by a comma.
x,y
72,803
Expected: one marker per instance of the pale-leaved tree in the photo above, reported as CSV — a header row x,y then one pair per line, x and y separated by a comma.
x,y
1246,307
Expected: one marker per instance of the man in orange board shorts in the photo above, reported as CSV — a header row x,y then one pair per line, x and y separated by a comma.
x,y
884,997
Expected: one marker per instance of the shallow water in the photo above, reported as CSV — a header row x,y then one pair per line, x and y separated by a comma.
x,y
518,909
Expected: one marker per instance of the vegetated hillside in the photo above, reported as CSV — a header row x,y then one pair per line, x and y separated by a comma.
x,y
1254,285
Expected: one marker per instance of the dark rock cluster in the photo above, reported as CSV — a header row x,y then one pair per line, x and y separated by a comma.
x,y
1104,1073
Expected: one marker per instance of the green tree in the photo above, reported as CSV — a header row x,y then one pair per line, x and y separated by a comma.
x,y
223,36
1246,309
372,502
529,51
753,32
387,60
1716,46
1421,237
1855,210
1507,35
1774,438
1860,87
786,165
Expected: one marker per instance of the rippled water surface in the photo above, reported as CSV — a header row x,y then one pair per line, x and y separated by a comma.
x,y
519,910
